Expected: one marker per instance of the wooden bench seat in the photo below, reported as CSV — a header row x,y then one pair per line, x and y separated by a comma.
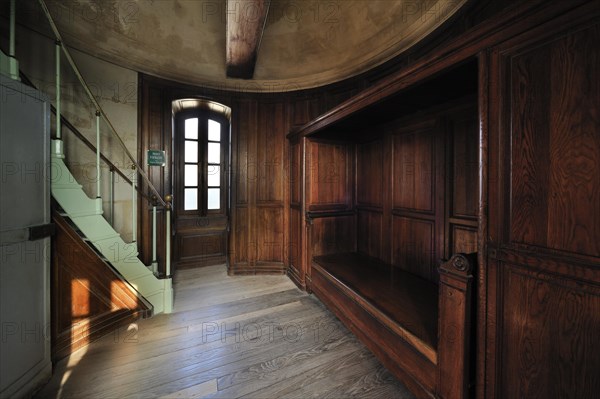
x,y
397,315
402,300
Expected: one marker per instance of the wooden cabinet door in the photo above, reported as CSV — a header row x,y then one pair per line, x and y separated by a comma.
x,y
543,277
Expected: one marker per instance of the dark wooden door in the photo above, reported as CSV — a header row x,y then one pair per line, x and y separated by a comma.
x,y
201,188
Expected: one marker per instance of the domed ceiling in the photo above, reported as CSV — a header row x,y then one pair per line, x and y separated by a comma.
x,y
304,44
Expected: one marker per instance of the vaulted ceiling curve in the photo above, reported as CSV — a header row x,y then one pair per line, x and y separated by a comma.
x,y
305,43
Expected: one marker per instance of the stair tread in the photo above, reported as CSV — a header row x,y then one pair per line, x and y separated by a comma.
x,y
88,221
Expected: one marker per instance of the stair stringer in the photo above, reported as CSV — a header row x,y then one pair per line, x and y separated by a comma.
x,y
86,214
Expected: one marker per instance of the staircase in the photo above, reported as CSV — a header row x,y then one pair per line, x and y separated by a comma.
x,y
86,214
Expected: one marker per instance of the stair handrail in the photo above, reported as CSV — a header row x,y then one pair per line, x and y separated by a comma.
x,y
25,79
98,107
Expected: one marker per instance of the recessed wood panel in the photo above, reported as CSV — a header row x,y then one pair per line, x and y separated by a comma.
x,y
413,173
331,235
369,233
550,337
369,173
413,246
329,170
272,127
269,239
464,240
243,173
241,235
200,246
296,172
465,164
295,238
556,145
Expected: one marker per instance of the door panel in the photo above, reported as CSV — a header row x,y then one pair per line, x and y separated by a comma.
x,y
201,186
24,265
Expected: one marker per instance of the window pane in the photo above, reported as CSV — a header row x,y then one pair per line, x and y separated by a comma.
x,y
214,153
214,176
191,151
214,198
191,175
191,128
214,130
190,199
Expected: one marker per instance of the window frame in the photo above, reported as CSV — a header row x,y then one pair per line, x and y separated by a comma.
x,y
203,116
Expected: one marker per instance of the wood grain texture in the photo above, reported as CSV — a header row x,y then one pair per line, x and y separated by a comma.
x,y
542,276
370,172
550,345
329,235
392,350
408,301
456,329
229,337
329,183
88,298
260,161
414,169
296,175
270,147
464,239
398,314
245,25
413,246
465,164
270,243
556,146
370,233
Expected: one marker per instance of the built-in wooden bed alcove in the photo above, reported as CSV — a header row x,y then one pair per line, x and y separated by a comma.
x,y
379,199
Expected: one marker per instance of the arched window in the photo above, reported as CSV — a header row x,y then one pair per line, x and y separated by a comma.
x,y
201,139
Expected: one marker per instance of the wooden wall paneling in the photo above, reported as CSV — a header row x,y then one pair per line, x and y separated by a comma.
x,y
296,165
369,174
418,195
370,232
271,187
296,267
465,164
296,264
414,170
544,188
464,239
462,164
330,183
556,145
333,234
272,127
370,197
246,172
549,343
388,199
304,109
413,245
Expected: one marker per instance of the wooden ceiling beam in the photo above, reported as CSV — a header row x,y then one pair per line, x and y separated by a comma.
x,y
245,26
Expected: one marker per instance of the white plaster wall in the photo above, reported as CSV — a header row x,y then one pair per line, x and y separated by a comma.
x,y
115,88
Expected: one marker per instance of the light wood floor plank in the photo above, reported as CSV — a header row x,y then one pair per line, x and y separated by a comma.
x,y
229,337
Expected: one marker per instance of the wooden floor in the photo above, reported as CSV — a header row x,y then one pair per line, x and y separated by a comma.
x,y
229,337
